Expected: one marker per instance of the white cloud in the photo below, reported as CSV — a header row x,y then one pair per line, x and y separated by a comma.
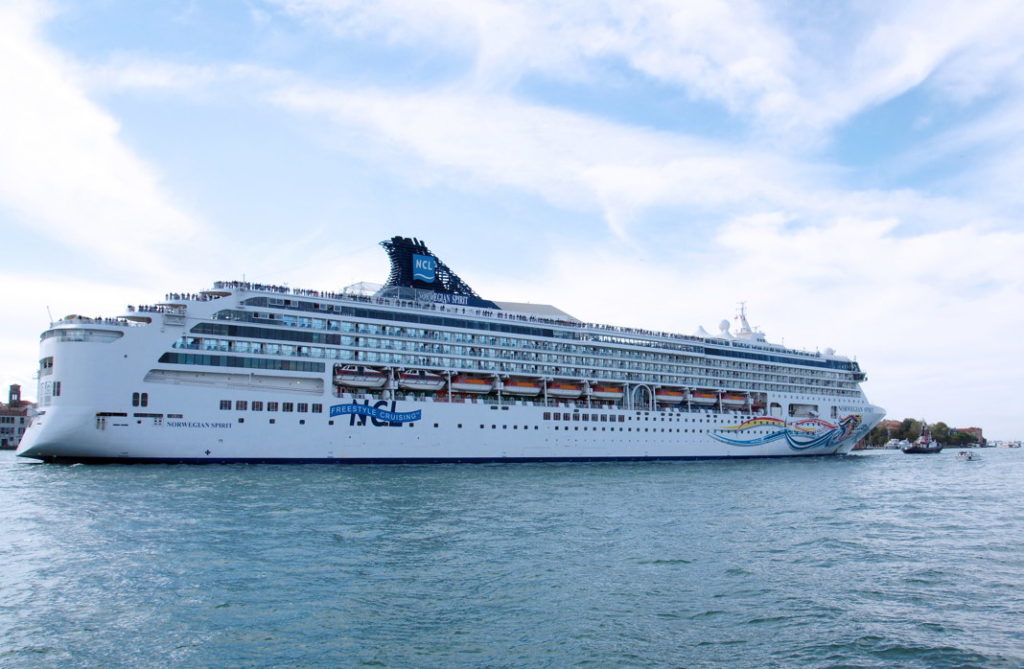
x,y
584,163
64,170
729,52
795,74
569,159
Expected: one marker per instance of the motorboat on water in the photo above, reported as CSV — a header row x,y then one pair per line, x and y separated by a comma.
x,y
924,443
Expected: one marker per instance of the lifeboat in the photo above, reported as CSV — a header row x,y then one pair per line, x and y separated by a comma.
x,y
471,384
359,377
421,381
734,400
562,390
599,392
523,387
703,397
668,396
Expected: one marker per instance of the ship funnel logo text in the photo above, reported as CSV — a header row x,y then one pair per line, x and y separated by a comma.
x,y
423,268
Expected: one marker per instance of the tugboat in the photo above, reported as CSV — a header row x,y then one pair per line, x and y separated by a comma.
x,y
924,443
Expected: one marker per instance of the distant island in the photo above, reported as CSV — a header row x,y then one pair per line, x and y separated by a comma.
x,y
910,429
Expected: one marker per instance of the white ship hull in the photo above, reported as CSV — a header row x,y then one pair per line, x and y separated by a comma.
x,y
456,432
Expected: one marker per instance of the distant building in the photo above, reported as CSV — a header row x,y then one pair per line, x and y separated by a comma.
x,y
890,425
15,417
974,431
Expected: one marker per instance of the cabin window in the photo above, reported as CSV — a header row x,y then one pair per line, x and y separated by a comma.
x,y
271,406
241,405
302,407
318,408
257,405
225,405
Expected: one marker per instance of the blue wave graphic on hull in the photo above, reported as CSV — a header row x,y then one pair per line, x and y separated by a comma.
x,y
799,440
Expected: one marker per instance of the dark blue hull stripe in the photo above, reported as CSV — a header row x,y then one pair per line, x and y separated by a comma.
x,y
410,461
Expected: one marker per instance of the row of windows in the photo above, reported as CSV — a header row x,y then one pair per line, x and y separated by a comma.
x,y
426,319
257,405
710,377
584,417
602,354
534,332
237,361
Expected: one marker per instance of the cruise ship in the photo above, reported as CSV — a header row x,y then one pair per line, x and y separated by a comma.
x,y
423,370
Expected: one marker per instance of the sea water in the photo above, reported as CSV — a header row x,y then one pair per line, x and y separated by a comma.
x,y
870,560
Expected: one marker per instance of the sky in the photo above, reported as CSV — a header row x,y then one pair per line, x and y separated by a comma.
x,y
848,170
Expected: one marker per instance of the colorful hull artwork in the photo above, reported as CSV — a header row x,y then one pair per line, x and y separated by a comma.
x,y
800,436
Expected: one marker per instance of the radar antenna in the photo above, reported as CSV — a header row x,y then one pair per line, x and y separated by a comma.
x,y
742,318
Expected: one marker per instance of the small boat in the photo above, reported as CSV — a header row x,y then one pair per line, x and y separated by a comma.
x,y
668,396
521,387
600,392
734,400
420,380
703,397
359,377
464,383
565,391
964,455
923,444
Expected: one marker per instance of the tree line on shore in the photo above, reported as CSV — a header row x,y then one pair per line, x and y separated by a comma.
x,y
910,430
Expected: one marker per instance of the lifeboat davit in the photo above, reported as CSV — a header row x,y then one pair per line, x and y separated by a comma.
x,y
359,377
471,384
599,392
734,400
668,396
561,390
523,387
703,397
421,381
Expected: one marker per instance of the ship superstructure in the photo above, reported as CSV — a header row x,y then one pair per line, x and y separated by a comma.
x,y
423,370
